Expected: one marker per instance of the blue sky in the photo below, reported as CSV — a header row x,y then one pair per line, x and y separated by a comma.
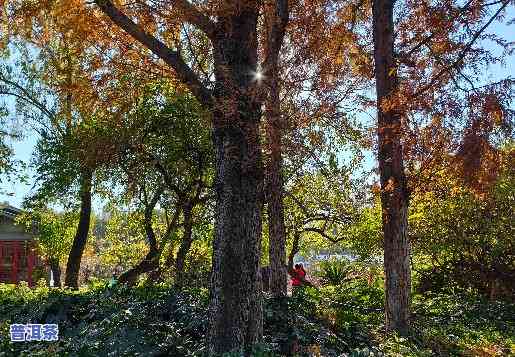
x,y
23,149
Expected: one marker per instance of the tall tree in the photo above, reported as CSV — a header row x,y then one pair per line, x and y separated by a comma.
x,y
434,64
60,160
235,103
394,191
167,158
277,18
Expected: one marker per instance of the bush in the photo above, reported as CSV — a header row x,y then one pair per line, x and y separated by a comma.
x,y
334,271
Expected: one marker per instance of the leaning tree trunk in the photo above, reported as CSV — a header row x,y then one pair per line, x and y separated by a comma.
x,y
56,271
276,228
81,235
394,195
235,306
151,260
185,245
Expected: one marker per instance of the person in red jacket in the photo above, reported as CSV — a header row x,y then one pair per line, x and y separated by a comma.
x,y
299,275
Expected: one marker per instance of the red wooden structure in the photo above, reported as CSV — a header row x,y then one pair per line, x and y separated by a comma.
x,y
18,257
17,261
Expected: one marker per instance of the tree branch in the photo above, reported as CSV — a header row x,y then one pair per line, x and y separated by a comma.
x,y
170,57
463,53
278,23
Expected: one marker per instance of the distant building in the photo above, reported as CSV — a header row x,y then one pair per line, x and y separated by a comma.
x,y
18,255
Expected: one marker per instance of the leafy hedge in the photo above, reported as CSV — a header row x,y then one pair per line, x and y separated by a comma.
x,y
347,318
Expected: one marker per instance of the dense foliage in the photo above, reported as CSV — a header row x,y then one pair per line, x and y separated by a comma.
x,y
347,317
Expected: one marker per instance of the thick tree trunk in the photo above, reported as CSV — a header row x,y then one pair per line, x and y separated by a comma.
x,y
235,302
394,194
276,228
185,245
81,235
56,272
236,307
235,292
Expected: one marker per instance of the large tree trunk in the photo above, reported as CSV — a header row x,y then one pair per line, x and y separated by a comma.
x,y
56,271
185,245
235,301
235,306
276,229
394,195
81,235
236,312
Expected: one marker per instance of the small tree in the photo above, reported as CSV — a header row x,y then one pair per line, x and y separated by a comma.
x,y
54,235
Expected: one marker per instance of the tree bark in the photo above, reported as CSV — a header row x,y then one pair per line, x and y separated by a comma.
x,y
81,235
235,301
394,193
56,271
276,19
185,245
236,306
276,228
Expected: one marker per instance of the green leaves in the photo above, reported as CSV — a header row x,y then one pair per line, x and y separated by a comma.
x,y
54,231
461,239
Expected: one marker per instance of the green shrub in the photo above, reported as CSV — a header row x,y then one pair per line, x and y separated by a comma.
x,y
334,271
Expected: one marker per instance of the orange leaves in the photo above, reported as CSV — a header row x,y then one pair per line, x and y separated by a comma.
x,y
390,186
316,137
87,59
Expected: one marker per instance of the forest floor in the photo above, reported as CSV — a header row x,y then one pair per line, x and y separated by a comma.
x,y
340,320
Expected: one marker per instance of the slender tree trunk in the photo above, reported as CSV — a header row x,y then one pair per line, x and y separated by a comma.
x,y
394,194
151,260
185,245
56,271
276,229
235,306
294,250
81,235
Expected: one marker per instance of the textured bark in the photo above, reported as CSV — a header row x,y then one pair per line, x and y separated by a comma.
x,y
236,312
185,245
276,18
235,301
265,278
81,235
56,272
394,194
235,306
276,228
